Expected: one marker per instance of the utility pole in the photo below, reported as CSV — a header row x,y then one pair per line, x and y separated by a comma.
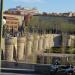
x,y
1,19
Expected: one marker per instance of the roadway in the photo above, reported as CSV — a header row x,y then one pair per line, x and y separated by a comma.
x,y
16,74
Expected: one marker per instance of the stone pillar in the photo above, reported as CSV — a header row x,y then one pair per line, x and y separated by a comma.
x,y
29,45
9,49
3,47
40,47
35,46
25,42
46,41
51,43
71,41
20,48
15,49
65,40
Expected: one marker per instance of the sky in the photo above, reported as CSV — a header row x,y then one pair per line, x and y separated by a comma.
x,y
58,6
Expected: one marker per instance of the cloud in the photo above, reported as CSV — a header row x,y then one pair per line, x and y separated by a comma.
x,y
28,1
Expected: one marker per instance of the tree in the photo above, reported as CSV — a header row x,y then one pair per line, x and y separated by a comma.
x,y
52,23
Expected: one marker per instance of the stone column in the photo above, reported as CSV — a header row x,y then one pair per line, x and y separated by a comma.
x,y
3,47
20,48
25,42
35,46
29,45
9,49
51,43
40,47
71,41
65,40
15,49
46,41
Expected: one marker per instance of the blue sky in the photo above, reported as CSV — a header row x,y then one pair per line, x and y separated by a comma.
x,y
43,5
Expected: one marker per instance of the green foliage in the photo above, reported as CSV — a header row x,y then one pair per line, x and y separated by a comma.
x,y
47,51
72,50
48,22
56,49
67,49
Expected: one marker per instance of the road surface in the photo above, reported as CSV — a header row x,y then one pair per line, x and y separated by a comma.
x,y
16,74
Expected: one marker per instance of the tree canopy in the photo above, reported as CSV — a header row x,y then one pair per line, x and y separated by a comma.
x,y
56,23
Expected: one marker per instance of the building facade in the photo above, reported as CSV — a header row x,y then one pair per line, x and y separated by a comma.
x,y
22,11
13,20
